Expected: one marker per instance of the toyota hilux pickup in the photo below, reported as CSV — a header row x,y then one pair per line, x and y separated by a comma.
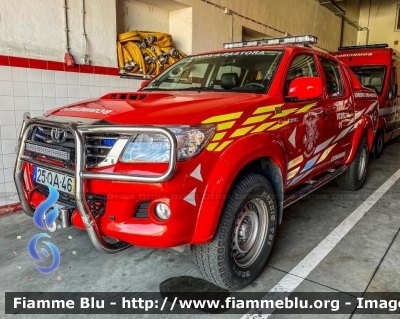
x,y
205,155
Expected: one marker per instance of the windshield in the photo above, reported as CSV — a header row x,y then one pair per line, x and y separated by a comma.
x,y
372,77
242,71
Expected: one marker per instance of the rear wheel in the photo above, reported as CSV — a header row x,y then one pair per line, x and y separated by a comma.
x,y
244,237
353,179
377,149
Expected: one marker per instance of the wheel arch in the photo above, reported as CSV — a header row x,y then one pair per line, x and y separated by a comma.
x,y
267,158
365,128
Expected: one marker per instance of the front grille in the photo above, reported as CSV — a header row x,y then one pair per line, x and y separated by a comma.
x,y
97,146
43,134
96,204
142,211
64,197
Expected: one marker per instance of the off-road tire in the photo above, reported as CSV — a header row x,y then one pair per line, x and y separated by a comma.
x,y
219,261
352,179
378,147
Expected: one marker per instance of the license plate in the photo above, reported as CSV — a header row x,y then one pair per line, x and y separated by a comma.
x,y
61,182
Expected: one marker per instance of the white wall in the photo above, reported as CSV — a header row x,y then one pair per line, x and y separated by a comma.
x,y
37,91
181,28
381,19
135,15
35,29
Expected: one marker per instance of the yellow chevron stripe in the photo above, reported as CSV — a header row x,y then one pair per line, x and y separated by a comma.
x,y
295,162
256,119
264,126
293,173
242,131
284,113
266,109
223,145
277,126
306,108
326,153
225,126
219,136
223,118
212,146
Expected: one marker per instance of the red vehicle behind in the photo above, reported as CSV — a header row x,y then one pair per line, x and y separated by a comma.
x,y
206,154
376,67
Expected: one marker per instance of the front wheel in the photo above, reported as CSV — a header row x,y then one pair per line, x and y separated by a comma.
x,y
353,179
378,147
244,237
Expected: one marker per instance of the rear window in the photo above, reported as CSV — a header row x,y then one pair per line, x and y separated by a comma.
x,y
372,77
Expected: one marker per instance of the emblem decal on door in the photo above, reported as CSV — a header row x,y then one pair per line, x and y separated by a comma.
x,y
312,134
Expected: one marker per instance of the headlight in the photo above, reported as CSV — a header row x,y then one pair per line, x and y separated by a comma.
x,y
156,147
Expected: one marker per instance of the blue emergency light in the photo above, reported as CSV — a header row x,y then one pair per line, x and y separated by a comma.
x,y
369,46
301,39
108,142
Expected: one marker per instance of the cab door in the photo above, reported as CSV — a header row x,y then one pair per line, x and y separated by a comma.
x,y
308,130
339,109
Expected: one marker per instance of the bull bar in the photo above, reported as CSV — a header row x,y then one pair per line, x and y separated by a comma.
x,y
79,133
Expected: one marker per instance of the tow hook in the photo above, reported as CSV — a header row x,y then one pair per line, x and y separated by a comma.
x,y
64,216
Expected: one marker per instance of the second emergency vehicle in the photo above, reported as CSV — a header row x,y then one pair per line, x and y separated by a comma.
x,y
377,67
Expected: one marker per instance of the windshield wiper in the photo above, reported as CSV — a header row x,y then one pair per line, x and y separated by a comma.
x,y
154,89
199,88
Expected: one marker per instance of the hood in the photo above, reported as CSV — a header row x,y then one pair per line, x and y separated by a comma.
x,y
151,108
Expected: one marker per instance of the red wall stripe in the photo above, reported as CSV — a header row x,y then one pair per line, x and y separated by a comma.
x,y
9,209
55,66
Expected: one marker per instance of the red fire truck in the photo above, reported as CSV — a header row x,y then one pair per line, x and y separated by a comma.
x,y
206,154
376,66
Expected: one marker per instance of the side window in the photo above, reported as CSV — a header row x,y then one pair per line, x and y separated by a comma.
x,y
302,65
333,78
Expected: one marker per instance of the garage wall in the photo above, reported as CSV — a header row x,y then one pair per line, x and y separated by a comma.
x,y
135,15
35,29
381,18
212,27
352,8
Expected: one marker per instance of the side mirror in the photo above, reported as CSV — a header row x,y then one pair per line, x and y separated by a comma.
x,y
392,92
307,88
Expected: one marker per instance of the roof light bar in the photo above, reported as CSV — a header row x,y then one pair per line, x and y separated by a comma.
x,y
369,46
302,39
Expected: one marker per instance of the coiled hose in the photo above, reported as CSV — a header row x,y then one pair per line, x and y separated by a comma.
x,y
146,52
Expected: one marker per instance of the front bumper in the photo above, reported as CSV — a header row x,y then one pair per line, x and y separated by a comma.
x,y
117,222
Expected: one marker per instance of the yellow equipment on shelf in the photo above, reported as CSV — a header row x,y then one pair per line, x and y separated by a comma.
x,y
146,52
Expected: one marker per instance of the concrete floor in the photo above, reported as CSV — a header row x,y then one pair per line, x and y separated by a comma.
x,y
366,259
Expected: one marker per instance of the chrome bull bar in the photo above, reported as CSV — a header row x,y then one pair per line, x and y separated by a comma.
x,y
79,133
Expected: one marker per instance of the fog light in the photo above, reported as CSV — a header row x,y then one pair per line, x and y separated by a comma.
x,y
162,211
